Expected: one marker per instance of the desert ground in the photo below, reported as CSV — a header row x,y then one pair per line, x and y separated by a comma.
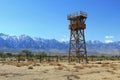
x,y
104,70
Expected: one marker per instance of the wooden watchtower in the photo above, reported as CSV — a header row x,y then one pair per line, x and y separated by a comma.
x,y
77,47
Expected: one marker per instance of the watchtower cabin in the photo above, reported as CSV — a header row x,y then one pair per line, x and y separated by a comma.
x,y
77,48
77,21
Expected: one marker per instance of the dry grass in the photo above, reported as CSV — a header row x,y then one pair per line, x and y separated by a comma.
x,y
98,63
95,65
78,67
92,72
113,66
21,64
55,64
36,64
118,76
45,71
72,63
59,64
30,67
68,69
89,66
110,71
18,65
72,77
76,70
84,65
60,68
76,77
104,65
52,64
11,74
56,70
14,63
105,78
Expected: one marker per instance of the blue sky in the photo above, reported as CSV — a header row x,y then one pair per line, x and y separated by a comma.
x,y
48,18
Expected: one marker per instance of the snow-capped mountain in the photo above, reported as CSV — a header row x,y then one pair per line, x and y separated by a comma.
x,y
26,42
98,47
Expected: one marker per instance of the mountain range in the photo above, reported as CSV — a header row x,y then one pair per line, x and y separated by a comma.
x,y
16,43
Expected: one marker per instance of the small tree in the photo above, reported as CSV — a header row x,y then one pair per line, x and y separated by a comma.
x,y
1,54
103,57
93,57
9,55
28,54
43,54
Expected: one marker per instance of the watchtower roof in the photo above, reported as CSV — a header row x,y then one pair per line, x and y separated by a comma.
x,y
76,15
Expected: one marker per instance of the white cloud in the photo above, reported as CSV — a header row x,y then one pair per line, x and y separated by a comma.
x,y
109,37
108,41
62,40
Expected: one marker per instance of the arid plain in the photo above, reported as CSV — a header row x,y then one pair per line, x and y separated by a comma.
x,y
104,70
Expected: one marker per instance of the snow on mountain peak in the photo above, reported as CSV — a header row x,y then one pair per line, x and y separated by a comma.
x,y
3,36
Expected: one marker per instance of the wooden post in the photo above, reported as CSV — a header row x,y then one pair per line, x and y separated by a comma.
x,y
57,58
18,58
40,59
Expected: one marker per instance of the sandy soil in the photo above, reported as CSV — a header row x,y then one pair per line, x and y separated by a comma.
x,y
106,70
